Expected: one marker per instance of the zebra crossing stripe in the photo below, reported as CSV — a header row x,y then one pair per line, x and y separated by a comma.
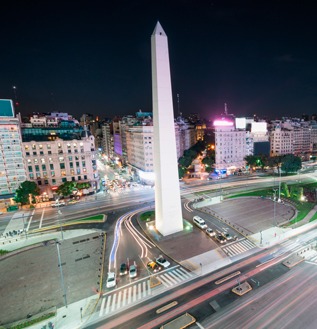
x,y
182,277
129,295
108,304
113,302
134,293
144,288
169,278
119,298
102,306
164,281
183,271
124,297
139,291
149,286
175,277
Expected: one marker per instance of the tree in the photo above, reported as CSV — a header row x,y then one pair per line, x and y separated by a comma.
x,y
181,172
291,163
66,188
25,190
274,162
251,160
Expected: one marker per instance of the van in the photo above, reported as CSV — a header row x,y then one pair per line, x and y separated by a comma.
x,y
198,221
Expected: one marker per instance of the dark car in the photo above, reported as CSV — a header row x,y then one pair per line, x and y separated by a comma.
x,y
220,238
123,269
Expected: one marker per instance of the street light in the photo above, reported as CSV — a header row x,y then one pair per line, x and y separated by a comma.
x,y
61,271
279,188
274,200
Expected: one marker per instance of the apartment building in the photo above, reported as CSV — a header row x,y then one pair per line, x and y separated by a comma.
x,y
12,168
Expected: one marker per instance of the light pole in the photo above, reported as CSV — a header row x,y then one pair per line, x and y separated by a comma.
x,y
61,271
261,241
279,187
274,200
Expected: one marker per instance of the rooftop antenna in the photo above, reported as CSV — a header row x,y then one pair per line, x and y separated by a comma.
x,y
85,127
179,114
226,109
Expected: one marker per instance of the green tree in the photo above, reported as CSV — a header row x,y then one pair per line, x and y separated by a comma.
x,y
181,172
291,163
184,161
27,188
81,186
273,162
251,160
66,189
285,190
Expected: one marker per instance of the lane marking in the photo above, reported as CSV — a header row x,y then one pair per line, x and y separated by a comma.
x,y
42,218
31,217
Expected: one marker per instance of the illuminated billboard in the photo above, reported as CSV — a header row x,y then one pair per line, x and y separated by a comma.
x,y
241,123
223,123
6,108
259,127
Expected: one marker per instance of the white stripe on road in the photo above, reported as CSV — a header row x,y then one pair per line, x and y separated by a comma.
x,y
108,304
42,218
30,220
102,306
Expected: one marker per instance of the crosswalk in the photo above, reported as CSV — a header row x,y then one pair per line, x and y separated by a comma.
x,y
130,294
238,247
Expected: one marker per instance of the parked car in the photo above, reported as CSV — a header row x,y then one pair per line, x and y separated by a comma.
x,y
220,238
152,266
198,221
111,280
132,271
123,269
162,262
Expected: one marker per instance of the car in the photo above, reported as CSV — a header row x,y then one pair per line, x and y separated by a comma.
x,y
220,238
58,204
209,231
161,261
198,221
123,269
111,280
132,271
153,267
227,236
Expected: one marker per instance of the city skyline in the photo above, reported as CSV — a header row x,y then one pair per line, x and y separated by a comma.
x,y
257,58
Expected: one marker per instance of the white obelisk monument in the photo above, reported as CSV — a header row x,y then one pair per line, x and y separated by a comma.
x,y
168,210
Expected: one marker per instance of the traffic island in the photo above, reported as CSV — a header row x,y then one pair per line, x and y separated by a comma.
x,y
293,261
242,289
154,282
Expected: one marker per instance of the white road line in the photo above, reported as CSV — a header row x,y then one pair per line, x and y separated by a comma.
x,y
124,297
184,272
42,218
129,295
144,288
119,299
30,220
164,281
139,291
170,278
149,287
102,306
134,293
113,306
108,304
175,277
182,277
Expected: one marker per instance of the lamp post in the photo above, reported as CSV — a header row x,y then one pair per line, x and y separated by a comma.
x,y
261,241
279,187
61,271
274,200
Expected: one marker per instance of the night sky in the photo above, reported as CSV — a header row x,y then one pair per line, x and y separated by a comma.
x,y
92,57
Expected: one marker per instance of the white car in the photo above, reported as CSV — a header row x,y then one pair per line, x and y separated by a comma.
x,y
58,204
227,236
210,232
132,271
162,262
111,280
198,221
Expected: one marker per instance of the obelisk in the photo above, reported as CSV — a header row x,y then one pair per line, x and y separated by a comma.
x,y
168,210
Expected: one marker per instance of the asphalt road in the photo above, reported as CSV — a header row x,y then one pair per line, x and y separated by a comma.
x,y
287,302
30,280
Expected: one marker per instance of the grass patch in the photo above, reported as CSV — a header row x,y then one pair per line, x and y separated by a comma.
x,y
148,216
265,193
96,218
3,252
302,210
33,321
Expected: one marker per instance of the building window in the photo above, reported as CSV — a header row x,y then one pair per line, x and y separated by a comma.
x,y
43,160
59,145
31,176
46,182
85,176
64,180
71,165
61,159
79,177
77,164
63,173
53,181
69,151
62,165
49,152
34,153
26,147
30,168
27,153
40,146
33,147
50,160
78,171
37,168
73,179
43,167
